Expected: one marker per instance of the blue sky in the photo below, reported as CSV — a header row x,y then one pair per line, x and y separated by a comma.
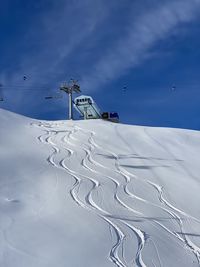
x,y
149,46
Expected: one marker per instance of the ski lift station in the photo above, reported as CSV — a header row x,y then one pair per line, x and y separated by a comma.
x,y
85,105
88,109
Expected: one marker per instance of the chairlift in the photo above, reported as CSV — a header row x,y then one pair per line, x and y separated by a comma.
x,y
173,88
54,97
76,88
124,88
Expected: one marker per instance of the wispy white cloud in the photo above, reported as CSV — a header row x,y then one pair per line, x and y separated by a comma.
x,y
59,35
54,36
50,41
153,25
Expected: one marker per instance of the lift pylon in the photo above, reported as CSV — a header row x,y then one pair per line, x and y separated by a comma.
x,y
69,89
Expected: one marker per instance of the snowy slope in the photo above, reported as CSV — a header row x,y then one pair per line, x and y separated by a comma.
x,y
94,193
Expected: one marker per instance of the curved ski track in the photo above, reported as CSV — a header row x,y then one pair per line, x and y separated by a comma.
x,y
66,147
173,211
176,212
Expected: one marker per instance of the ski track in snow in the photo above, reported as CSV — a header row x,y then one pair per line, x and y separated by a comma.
x,y
176,211
119,226
66,146
171,209
140,235
88,203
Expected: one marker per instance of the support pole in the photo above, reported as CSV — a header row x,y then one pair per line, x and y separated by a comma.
x,y
69,89
70,106
85,113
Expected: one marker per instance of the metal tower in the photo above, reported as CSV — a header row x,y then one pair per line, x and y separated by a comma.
x,y
69,89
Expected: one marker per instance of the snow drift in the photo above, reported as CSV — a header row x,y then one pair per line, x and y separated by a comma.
x,y
95,193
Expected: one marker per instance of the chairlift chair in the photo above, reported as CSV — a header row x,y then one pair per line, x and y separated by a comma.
x,y
53,97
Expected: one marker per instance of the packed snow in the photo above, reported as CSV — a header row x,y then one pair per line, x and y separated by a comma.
x,y
95,193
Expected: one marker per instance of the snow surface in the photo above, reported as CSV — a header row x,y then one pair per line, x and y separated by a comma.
x,y
95,193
